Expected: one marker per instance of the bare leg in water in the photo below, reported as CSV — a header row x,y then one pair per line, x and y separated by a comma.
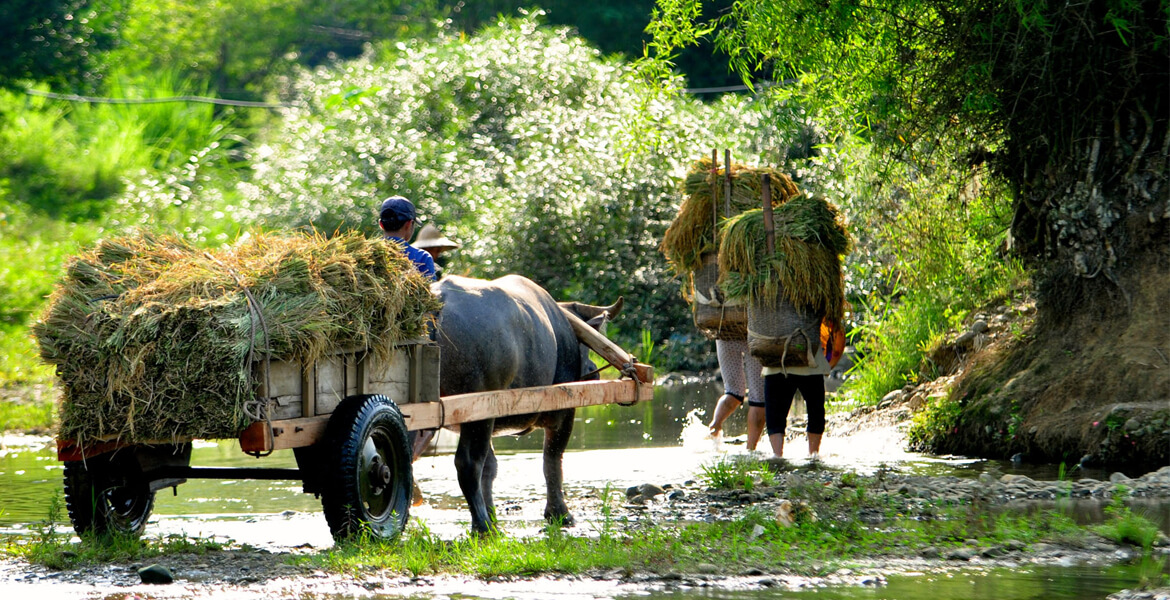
x,y
723,409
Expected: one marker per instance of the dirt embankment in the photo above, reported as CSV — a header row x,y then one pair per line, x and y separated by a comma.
x,y
1083,379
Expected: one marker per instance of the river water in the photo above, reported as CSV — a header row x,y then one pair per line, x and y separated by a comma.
x,y
612,447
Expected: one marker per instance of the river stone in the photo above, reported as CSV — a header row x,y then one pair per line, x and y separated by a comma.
x,y
1132,425
979,326
676,495
156,574
1017,479
994,552
650,490
1118,478
929,552
632,491
961,554
1014,545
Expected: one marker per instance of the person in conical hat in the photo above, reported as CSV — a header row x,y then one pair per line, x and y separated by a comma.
x,y
433,241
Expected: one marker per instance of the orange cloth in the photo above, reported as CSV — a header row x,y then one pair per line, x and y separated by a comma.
x,y
832,332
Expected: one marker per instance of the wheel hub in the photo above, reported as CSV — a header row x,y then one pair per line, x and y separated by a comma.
x,y
379,474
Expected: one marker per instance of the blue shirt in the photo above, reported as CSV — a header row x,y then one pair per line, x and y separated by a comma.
x,y
421,258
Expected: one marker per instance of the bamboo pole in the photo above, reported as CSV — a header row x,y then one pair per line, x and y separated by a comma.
x,y
727,183
715,192
769,226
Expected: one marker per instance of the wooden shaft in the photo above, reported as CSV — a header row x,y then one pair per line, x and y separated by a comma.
x,y
477,406
727,183
597,342
769,227
714,193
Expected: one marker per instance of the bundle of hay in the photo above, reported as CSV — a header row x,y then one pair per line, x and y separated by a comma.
x,y
692,241
793,289
154,339
693,231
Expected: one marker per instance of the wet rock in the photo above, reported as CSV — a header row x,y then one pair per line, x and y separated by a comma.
x,y
1018,458
706,568
929,552
1018,479
632,491
649,490
155,574
676,495
961,554
1119,478
979,326
1132,425
993,552
1014,545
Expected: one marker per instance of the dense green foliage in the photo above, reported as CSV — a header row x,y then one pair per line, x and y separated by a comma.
x,y
57,41
535,152
967,121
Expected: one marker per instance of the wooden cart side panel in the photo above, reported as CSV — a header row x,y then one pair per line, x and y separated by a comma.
x,y
333,378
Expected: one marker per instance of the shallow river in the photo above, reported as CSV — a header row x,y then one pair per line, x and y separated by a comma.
x,y
612,447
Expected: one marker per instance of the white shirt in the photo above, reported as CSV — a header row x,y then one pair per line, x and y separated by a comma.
x,y
821,367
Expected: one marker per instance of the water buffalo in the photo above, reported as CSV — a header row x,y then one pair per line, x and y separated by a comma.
x,y
501,334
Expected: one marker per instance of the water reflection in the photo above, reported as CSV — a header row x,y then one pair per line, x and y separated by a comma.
x,y
1029,583
613,445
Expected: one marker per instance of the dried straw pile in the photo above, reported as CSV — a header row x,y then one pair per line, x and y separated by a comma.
x,y
810,239
692,233
153,339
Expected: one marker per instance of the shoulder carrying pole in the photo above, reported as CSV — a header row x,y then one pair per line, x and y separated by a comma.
x,y
727,183
769,227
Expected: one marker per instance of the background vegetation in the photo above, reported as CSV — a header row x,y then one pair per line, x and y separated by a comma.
x,y
543,152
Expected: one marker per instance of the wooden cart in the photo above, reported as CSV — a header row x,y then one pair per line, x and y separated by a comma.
x,y
346,418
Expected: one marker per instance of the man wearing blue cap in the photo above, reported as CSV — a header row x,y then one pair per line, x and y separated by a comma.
x,y
397,222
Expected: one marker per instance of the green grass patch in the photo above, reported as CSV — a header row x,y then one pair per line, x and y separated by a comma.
x,y
26,416
737,473
49,545
1123,526
832,533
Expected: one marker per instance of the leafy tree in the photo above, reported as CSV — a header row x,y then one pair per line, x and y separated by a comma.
x,y
518,142
57,41
1069,103
613,26
235,45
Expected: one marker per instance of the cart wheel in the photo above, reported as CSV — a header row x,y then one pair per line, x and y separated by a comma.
x,y
368,487
105,494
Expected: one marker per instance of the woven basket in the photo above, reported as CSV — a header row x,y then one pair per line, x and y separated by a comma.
x,y
782,336
714,316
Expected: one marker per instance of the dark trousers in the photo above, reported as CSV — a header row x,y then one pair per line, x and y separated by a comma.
x,y
779,390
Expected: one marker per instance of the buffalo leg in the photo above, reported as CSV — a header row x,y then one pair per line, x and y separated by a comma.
x,y
474,445
486,479
558,427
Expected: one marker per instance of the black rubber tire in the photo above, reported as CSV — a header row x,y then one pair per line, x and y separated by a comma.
x,y
105,495
368,486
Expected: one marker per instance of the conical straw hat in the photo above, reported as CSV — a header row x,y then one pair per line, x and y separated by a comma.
x,y
430,237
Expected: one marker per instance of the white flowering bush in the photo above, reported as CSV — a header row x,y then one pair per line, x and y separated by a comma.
x,y
541,156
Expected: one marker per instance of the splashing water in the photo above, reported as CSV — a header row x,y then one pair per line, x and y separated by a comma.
x,y
696,437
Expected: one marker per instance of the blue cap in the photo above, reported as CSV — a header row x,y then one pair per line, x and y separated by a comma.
x,y
396,208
